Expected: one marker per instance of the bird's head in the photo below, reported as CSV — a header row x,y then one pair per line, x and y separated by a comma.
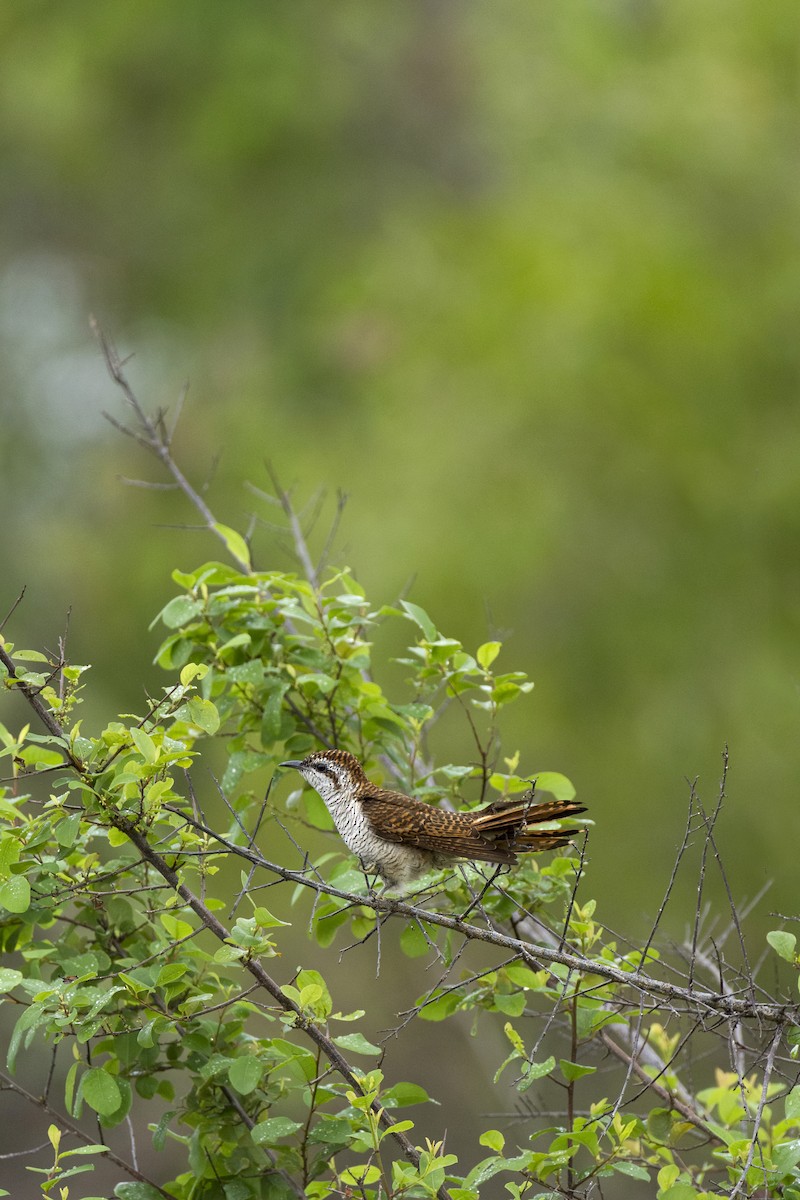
x,y
332,773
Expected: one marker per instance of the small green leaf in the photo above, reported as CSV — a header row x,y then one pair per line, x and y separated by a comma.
x,y
101,1091
792,1104
9,855
361,1175
179,611
144,744
403,1094
534,1071
786,1155
266,920
493,1138
634,1170
413,942
235,543
15,894
170,972
191,672
524,977
554,783
511,1003
572,1071
514,1038
245,1073
66,831
680,1191
421,618
203,713
487,653
357,1043
137,1191
783,943
272,717
271,1130
439,1008
9,978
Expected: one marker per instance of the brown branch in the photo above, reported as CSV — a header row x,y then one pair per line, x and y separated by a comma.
x,y
532,953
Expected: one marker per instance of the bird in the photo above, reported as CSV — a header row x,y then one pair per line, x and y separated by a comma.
x,y
400,839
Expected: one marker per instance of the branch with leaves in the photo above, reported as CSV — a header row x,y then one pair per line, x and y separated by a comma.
x,y
111,845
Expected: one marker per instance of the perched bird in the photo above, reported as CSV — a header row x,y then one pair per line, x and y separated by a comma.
x,y
400,838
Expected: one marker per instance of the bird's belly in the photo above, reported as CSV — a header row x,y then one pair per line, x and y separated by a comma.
x,y
399,865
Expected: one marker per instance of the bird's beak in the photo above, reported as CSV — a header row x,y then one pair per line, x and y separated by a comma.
x,y
291,763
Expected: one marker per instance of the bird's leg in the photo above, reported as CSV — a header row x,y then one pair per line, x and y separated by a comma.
x,y
367,870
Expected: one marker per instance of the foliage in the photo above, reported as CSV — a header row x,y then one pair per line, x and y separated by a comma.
x,y
528,284
112,894
113,884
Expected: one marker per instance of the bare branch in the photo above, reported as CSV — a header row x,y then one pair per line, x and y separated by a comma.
x,y
152,434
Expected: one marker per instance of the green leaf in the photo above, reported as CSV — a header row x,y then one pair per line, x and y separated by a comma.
x,y
271,1130
317,811
512,1003
493,1138
634,1170
191,672
331,1131
786,1155
659,1125
403,1094
792,1103
179,611
272,717
413,942
10,850
680,1191
524,977
245,1073
439,1008
15,894
265,920
534,1071
361,1175
204,714
101,1091
487,653
235,543
572,1070
554,783
422,619
144,744
357,1043
170,972
9,978
137,1191
66,831
783,943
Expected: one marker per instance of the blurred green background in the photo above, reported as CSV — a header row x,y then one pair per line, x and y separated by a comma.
x,y
521,279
